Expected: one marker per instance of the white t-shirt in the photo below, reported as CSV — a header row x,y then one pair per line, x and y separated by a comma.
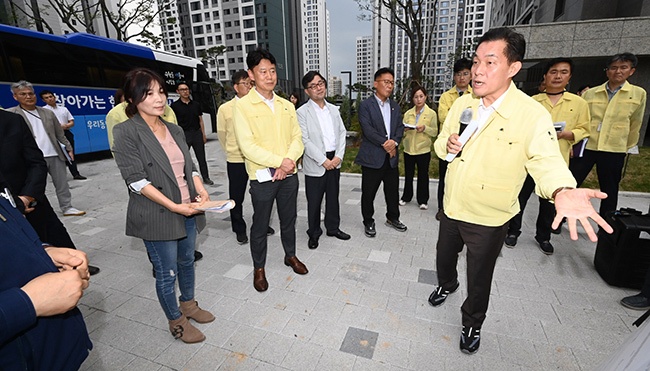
x,y
42,140
62,114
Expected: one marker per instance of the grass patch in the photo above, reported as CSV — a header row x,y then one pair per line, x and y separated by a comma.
x,y
636,178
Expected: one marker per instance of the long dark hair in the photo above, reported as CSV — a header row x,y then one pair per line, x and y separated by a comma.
x,y
137,83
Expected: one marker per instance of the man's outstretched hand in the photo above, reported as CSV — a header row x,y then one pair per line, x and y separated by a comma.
x,y
575,204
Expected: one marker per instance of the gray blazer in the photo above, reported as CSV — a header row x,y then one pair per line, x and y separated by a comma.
x,y
312,138
52,128
139,155
373,133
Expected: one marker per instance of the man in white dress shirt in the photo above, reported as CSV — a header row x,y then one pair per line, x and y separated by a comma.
x,y
323,135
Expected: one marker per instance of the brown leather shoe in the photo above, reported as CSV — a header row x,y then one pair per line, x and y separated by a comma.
x,y
259,280
296,264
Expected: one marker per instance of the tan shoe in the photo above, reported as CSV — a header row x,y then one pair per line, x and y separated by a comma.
x,y
191,310
182,329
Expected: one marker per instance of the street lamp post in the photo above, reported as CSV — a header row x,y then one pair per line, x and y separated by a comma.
x,y
349,73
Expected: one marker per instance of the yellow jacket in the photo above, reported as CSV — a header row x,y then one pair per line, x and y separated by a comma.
x,y
118,115
226,132
621,118
420,143
266,137
574,111
447,99
482,185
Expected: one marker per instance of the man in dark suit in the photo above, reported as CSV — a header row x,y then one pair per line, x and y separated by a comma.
x,y
25,170
382,130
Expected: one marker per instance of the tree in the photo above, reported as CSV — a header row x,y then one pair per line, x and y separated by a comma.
x,y
132,20
417,18
212,53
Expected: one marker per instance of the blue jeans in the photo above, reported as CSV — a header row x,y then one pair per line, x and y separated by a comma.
x,y
170,259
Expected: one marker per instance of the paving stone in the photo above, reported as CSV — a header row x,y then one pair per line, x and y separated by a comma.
x,y
359,342
428,276
238,272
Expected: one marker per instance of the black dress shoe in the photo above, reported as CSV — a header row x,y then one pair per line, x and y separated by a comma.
x,y
259,280
79,177
370,230
313,243
208,181
270,231
197,256
242,238
339,234
397,225
93,270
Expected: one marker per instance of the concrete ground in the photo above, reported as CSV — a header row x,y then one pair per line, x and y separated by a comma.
x,y
363,305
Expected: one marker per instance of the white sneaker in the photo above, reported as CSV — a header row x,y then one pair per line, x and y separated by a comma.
x,y
402,202
73,212
424,207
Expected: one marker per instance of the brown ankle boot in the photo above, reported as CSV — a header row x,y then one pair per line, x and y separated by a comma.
x,y
182,329
191,310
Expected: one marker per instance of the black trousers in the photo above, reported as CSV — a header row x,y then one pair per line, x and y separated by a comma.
x,y
609,168
47,225
422,161
194,139
284,193
545,214
315,188
237,181
71,166
483,247
645,290
442,169
370,181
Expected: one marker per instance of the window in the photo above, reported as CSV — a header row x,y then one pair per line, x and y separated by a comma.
x,y
199,41
198,30
249,23
195,5
196,18
247,10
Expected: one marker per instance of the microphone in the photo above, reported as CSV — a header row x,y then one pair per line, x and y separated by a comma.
x,y
465,118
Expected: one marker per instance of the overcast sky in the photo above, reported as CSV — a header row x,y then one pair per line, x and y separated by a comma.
x,y
344,29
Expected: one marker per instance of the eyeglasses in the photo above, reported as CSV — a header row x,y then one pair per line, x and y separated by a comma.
x,y
619,68
183,89
387,82
319,84
26,94
461,74
245,84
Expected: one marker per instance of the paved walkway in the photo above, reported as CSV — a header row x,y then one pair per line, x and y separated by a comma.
x,y
363,305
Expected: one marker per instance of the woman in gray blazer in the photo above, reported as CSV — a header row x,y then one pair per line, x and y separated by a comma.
x,y
154,160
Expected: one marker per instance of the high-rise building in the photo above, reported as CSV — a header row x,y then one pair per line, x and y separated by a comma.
x,y
334,86
315,39
365,65
239,26
448,18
